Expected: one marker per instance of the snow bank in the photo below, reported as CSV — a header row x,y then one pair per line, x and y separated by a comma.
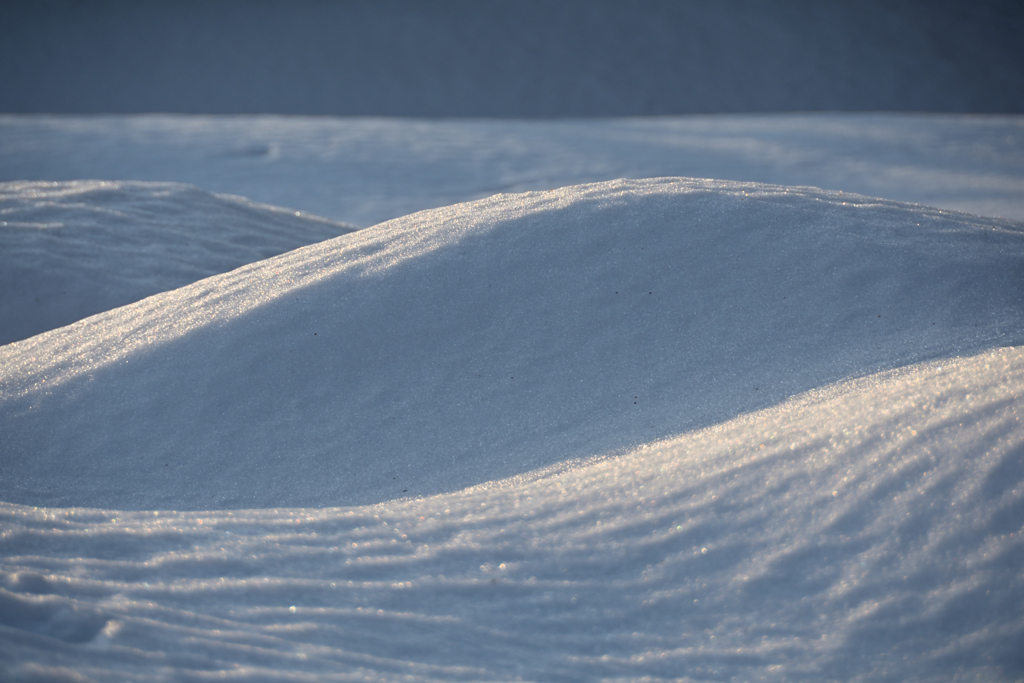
x,y
868,531
484,340
69,250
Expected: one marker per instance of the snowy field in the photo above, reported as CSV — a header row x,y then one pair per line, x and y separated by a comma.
x,y
366,171
563,410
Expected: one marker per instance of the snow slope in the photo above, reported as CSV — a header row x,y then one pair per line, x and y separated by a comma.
x,y
69,250
869,531
776,508
365,171
485,340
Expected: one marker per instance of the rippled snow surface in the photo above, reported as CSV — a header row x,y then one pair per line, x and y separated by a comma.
x,y
669,429
868,531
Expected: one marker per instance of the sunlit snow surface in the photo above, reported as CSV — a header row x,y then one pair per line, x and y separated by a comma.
x,y
483,340
747,433
869,531
364,171
69,250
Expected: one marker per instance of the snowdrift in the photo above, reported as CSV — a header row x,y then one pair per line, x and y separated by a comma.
x,y
870,531
69,250
485,340
365,171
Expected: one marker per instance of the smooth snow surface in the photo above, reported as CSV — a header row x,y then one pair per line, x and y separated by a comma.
x,y
365,171
871,531
69,250
484,340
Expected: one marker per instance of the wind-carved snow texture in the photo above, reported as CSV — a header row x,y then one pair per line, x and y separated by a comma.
x,y
69,250
486,340
868,531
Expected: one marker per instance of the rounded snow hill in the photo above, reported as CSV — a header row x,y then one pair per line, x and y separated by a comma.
x,y
483,340
69,250
869,530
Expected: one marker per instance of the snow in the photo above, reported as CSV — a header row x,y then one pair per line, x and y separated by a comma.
x,y
69,250
459,345
867,531
650,429
366,171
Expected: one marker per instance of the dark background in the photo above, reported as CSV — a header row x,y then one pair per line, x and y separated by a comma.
x,y
506,58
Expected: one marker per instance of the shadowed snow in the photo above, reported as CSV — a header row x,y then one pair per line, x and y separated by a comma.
x,y
871,530
69,250
484,340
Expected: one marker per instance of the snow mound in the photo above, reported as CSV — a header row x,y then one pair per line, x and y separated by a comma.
x,y
868,531
69,250
484,340
367,171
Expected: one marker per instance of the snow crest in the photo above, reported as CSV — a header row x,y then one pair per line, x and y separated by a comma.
x,y
69,250
485,340
871,530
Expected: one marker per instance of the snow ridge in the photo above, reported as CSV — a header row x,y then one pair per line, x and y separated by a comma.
x,y
868,531
484,340
69,250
